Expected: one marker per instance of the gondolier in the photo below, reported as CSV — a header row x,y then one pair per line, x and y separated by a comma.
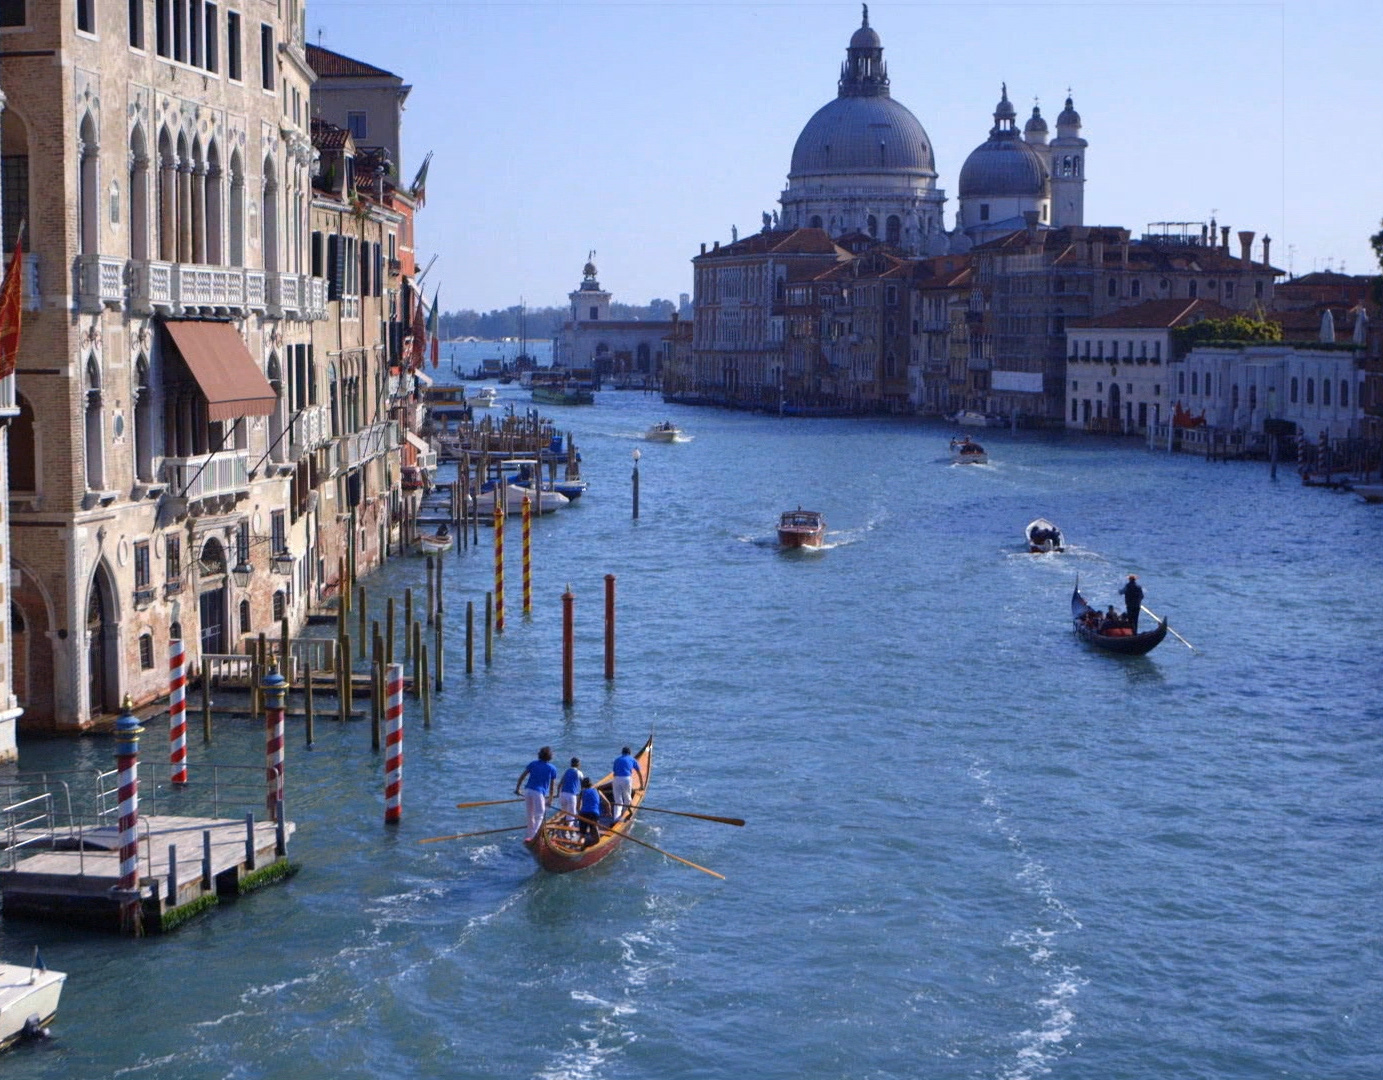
x,y
1132,593
570,788
541,779
622,784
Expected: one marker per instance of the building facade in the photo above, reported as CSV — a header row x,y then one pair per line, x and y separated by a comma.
x,y
628,351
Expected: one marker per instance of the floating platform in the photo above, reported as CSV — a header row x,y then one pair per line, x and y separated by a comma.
x,y
185,864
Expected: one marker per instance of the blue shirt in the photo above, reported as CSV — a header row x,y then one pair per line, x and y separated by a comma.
x,y
571,781
625,765
541,774
589,806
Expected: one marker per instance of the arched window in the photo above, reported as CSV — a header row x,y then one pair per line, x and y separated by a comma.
x,y
1344,393
1292,392
280,605
1191,288
184,200
245,617
816,221
872,226
1195,383
139,195
1066,166
88,197
1325,391
893,230
269,218
215,211
23,448
95,429
143,422
334,391
14,145
167,199
1075,165
1112,288
198,201
236,227
1310,391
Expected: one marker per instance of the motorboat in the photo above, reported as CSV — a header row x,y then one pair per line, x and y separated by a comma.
x,y
1043,536
667,431
965,451
514,495
970,418
518,473
28,999
484,398
1370,493
436,543
801,529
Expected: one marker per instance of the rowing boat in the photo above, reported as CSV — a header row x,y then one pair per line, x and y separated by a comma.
x,y
1127,643
558,845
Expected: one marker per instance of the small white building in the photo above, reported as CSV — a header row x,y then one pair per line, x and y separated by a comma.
x,y
1237,387
627,350
1117,365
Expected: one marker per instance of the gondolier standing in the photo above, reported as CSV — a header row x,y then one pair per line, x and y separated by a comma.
x,y
622,780
541,780
1132,593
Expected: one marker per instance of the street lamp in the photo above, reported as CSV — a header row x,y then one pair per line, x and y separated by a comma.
x,y
637,455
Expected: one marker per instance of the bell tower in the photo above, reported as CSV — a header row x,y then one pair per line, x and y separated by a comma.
x,y
589,303
1067,159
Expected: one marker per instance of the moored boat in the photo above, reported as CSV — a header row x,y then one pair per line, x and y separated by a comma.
x,y
1042,536
484,398
667,431
559,846
969,418
801,529
28,999
1370,493
437,543
1087,621
965,451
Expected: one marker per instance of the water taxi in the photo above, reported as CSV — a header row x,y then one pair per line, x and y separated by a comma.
x,y
667,431
801,529
965,451
28,999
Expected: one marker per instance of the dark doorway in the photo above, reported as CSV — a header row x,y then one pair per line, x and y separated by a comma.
x,y
102,664
211,607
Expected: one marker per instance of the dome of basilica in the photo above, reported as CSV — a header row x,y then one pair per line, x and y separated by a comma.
x,y
1004,165
862,135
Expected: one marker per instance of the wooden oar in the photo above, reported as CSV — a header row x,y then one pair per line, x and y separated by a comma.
x,y
1169,629
487,802
660,851
703,817
463,835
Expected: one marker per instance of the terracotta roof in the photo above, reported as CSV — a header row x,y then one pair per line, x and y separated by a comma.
x,y
779,242
330,64
1154,315
327,136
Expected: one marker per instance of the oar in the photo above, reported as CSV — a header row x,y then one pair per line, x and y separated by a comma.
x,y
487,802
703,817
1169,629
660,851
463,835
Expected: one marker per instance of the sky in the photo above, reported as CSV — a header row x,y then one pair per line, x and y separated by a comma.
x,y
641,129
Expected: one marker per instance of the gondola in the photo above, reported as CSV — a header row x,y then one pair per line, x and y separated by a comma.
x,y
1126,644
558,845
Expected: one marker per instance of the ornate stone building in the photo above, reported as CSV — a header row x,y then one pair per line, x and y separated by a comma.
x,y
627,350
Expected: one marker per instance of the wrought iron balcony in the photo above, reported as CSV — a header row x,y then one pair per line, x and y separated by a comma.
x,y
100,283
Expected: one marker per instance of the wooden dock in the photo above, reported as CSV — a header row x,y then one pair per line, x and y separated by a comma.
x,y
185,863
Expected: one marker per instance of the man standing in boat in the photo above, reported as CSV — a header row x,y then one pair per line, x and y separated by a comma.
x,y
541,777
1132,593
570,788
624,768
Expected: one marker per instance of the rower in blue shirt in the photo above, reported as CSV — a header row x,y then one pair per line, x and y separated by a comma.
x,y
541,779
626,765
570,788
592,803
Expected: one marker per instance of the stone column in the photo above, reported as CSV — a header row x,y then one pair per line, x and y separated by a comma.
x,y
184,213
168,210
199,214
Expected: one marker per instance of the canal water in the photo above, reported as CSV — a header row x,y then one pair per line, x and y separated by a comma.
x,y
975,848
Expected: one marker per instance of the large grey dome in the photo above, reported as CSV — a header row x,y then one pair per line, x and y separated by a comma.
x,y
1002,166
862,135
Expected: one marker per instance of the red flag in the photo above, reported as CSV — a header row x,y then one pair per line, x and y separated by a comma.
x,y
419,334
12,307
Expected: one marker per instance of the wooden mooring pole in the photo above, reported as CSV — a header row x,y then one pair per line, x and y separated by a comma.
x,y
609,626
568,647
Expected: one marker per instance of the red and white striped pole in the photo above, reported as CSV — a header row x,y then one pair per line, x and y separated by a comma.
x,y
127,732
177,712
393,745
528,553
275,688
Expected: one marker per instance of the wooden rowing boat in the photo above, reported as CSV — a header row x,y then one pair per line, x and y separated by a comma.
x,y
1126,643
558,845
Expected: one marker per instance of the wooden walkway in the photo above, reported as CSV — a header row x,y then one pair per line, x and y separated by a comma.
x,y
181,859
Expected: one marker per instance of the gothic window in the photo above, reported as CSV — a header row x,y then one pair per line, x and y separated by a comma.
x,y
88,204
143,422
215,253
1344,394
1325,391
23,447
1293,390
1195,383
1310,391
245,625
139,195
1075,165
269,214
95,433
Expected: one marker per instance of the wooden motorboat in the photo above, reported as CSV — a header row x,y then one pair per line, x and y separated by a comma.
x,y
801,529
1085,619
965,451
559,845
1042,536
28,999
667,431
437,543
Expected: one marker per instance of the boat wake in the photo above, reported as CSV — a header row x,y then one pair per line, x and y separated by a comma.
x,y
1038,1046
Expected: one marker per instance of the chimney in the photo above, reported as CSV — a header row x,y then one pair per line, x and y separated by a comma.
x,y
703,247
1245,246
1267,241
1224,238
717,246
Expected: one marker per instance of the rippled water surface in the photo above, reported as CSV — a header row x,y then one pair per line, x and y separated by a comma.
x,y
975,848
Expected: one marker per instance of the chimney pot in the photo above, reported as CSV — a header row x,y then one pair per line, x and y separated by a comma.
x,y
717,246
1245,245
1267,241
1224,237
703,247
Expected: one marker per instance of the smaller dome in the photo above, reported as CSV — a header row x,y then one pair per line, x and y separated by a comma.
x,y
1035,123
1005,110
1003,167
588,270
866,38
1069,117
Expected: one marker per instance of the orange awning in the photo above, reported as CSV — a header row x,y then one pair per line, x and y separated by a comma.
x,y
224,369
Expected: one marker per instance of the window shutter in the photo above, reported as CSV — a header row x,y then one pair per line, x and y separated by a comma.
x,y
336,266
365,284
379,270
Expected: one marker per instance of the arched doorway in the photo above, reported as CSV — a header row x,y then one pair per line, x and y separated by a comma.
x,y
102,643
1114,402
211,597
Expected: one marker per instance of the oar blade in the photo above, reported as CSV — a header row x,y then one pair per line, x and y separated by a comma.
x,y
700,817
486,802
465,835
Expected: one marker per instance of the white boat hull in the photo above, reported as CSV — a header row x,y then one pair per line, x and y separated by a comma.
x,y
25,1004
548,502
972,419
660,434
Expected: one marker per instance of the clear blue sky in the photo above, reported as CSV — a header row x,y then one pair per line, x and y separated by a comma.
x,y
641,129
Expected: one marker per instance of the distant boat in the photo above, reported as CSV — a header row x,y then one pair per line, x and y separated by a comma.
x,y
1370,493
801,529
438,543
1086,621
28,999
562,394
964,451
969,418
1042,536
484,398
667,431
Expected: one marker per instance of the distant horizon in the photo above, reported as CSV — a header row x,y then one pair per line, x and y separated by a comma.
x,y
641,129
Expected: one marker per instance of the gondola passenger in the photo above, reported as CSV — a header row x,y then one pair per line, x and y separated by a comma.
x,y
593,804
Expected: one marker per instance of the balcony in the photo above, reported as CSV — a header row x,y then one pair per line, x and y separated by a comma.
x,y
311,429
222,475
368,443
100,283
285,295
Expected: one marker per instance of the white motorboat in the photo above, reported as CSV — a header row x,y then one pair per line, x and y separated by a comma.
x,y
548,501
965,451
28,999
1043,536
969,418
484,398
667,431
436,543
